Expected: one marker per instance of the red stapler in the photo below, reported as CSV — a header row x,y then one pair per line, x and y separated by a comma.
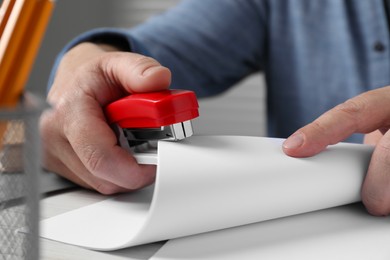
x,y
143,118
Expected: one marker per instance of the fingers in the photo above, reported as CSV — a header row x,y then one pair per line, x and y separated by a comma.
x,y
376,187
79,144
362,114
59,157
96,145
136,73
132,73
107,76
72,160
68,170
366,113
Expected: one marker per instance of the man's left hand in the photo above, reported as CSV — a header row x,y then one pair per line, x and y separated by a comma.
x,y
368,113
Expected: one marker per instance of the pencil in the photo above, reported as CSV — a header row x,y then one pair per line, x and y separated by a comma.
x,y
19,46
5,11
22,26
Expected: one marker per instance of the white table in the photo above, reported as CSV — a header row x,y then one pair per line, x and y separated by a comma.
x,y
347,232
72,199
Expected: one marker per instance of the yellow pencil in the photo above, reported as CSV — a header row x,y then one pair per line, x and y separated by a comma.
x,y
5,11
22,27
19,44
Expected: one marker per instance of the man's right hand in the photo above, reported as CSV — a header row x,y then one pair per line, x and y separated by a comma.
x,y
78,143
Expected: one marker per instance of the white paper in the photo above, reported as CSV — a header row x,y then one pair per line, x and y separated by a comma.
x,y
346,232
209,183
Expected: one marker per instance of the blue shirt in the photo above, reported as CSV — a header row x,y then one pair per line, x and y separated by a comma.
x,y
315,54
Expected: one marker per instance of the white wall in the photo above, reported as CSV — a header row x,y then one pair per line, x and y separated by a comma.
x,y
240,111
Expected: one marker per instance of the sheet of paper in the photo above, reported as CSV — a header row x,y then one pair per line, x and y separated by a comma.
x,y
346,232
209,183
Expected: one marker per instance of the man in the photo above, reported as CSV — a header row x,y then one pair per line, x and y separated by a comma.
x,y
315,55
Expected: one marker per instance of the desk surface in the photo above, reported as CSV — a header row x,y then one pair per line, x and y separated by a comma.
x,y
73,199
347,231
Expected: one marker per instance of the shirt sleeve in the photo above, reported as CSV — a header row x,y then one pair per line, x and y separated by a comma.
x,y
208,45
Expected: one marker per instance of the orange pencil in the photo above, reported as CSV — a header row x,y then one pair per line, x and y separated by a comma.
x,y
5,11
19,46
22,27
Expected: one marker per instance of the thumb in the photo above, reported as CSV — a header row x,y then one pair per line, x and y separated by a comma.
x,y
133,72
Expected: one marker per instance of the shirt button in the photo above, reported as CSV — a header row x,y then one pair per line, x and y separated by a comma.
x,y
379,46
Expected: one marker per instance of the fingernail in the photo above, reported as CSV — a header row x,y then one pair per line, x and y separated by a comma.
x,y
294,141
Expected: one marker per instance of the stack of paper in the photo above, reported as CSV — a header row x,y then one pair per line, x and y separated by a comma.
x,y
209,183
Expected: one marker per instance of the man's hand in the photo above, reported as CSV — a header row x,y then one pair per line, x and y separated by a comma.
x,y
78,143
367,113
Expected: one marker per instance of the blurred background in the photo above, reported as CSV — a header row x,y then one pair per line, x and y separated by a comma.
x,y
239,111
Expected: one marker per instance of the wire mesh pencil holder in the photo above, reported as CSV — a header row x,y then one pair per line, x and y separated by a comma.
x,y
19,179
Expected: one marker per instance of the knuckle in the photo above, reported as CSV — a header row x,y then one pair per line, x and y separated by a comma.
x,y
107,65
351,107
143,63
93,159
352,110
102,61
145,60
319,126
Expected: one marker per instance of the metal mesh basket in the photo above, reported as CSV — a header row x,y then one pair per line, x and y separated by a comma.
x,y
19,172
